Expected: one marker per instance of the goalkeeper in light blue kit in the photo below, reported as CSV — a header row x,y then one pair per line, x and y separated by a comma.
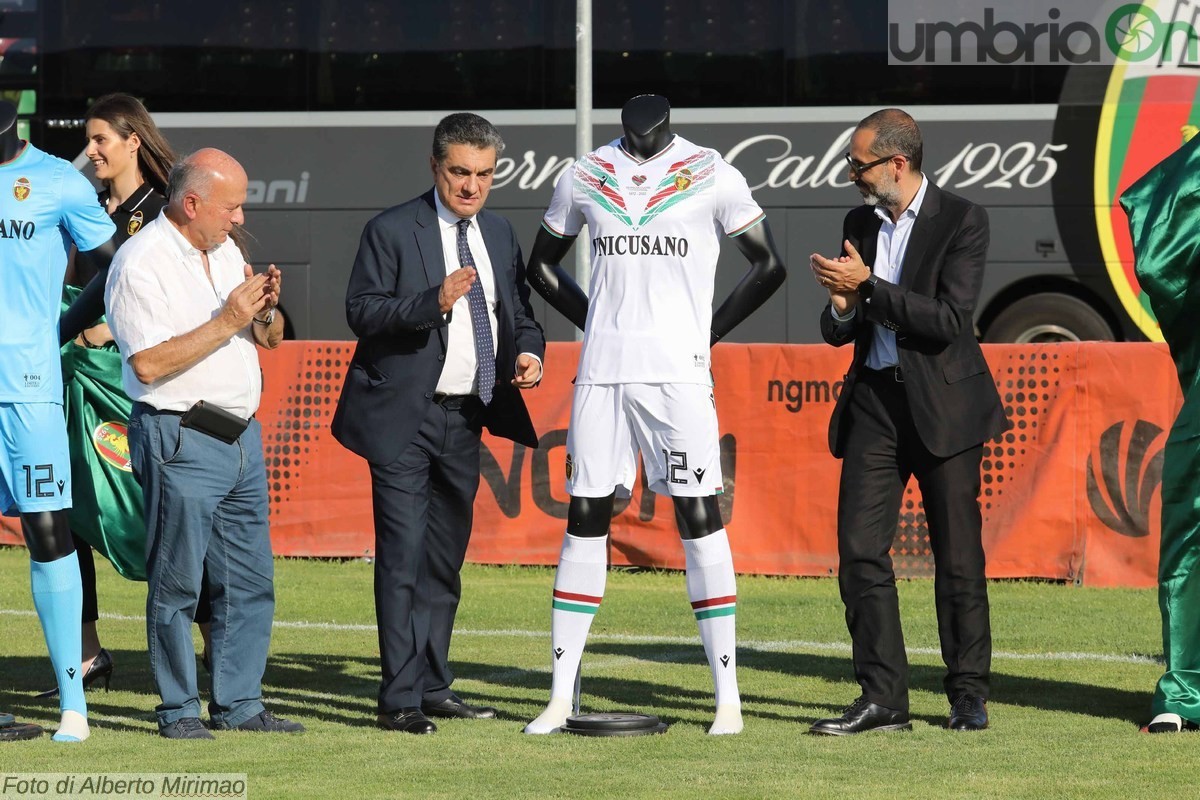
x,y
45,206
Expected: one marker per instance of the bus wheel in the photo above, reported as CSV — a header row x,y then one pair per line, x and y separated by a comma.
x,y
1048,317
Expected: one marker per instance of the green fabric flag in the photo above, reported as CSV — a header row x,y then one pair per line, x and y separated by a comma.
x,y
1164,222
107,500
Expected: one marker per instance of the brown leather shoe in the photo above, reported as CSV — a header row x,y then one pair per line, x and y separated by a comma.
x,y
407,720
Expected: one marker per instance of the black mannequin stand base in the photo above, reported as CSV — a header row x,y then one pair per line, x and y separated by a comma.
x,y
614,724
13,731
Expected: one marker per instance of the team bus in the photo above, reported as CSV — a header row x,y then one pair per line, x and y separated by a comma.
x,y
330,105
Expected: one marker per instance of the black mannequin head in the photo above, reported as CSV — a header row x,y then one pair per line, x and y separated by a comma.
x,y
647,123
10,143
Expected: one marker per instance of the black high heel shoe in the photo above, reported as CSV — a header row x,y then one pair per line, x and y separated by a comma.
x,y
101,668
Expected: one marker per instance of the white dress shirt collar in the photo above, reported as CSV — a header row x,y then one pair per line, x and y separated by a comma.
x,y
447,217
186,248
914,207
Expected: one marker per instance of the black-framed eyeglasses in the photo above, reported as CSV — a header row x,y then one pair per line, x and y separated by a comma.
x,y
857,169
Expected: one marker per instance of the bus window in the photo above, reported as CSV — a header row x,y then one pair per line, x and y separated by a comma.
x,y
386,55
218,55
693,51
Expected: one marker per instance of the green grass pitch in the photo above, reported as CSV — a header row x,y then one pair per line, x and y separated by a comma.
x,y
1072,677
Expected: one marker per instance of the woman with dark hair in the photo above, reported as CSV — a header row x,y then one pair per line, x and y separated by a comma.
x,y
132,160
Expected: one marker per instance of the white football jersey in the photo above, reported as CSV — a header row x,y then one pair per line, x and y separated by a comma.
x,y
654,228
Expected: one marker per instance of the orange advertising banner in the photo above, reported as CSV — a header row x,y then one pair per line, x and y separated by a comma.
x,y
1070,493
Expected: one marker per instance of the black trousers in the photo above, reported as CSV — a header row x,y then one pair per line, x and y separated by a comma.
x,y
423,504
882,451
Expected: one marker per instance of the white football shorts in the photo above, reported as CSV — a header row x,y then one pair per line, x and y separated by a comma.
x,y
674,425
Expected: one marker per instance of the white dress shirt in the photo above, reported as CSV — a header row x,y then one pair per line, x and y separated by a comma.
x,y
890,247
460,370
157,290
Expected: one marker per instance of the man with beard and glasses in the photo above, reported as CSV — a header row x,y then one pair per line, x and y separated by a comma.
x,y
920,400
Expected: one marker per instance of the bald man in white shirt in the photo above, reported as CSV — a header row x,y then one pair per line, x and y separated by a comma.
x,y
187,313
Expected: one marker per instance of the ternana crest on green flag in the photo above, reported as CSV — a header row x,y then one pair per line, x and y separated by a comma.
x,y
107,510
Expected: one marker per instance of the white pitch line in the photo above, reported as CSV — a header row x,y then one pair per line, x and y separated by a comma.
x,y
785,645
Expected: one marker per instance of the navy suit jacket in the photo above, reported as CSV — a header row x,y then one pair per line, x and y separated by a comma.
x,y
392,306
951,394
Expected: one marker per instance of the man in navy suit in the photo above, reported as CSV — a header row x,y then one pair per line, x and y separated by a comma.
x,y
447,337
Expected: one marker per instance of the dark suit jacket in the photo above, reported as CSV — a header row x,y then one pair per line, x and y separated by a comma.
x,y
392,306
951,393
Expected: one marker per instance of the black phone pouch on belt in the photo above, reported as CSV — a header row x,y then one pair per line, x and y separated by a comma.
x,y
213,421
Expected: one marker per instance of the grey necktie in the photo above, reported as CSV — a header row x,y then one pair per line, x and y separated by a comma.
x,y
485,354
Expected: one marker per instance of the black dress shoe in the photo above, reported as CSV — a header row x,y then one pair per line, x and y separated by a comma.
x,y
407,720
101,669
860,717
453,708
968,712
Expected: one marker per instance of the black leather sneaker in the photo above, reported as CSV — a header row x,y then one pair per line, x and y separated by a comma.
x,y
266,722
185,728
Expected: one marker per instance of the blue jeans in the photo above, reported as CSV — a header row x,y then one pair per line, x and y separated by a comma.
x,y
206,507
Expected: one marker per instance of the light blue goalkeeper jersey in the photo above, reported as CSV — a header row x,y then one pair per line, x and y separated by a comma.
x,y
45,205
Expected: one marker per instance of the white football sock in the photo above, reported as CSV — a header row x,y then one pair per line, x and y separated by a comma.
x,y
578,590
712,590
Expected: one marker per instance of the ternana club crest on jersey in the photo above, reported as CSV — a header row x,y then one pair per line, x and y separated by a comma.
x,y
21,188
111,440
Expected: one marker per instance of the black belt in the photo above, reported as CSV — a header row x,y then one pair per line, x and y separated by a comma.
x,y
453,401
888,374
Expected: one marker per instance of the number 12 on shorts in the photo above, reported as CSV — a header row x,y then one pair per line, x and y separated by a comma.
x,y
39,480
676,462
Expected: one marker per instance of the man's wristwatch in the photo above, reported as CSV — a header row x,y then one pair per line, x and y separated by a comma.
x,y
867,287
270,317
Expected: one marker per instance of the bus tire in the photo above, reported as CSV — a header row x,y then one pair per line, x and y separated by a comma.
x,y
1048,317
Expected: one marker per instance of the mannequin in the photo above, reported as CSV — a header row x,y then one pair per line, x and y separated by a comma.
x,y
646,124
90,304
10,144
43,530
30,407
